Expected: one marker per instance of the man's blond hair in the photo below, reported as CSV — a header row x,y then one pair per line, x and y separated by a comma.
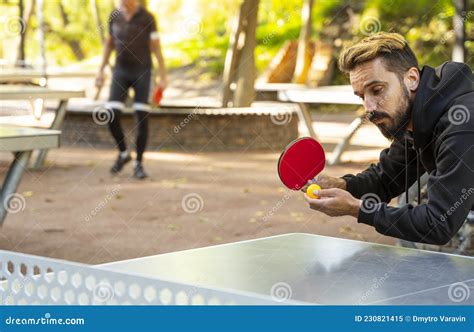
x,y
392,47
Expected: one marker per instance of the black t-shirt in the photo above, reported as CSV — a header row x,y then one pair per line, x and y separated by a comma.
x,y
132,38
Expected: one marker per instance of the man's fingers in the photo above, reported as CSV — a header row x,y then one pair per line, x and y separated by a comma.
x,y
331,192
314,201
317,204
309,199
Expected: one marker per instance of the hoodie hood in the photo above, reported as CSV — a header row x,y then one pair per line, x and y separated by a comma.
x,y
439,87
437,92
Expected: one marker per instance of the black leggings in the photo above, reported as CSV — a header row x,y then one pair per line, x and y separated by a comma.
x,y
123,79
141,128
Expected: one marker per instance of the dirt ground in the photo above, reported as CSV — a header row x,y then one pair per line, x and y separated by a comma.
x,y
75,210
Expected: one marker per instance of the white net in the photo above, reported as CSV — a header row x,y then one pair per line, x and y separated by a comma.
x,y
33,280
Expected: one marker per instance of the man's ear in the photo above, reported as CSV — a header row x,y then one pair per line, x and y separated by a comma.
x,y
412,79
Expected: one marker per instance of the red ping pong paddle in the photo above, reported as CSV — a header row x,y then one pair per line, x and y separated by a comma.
x,y
157,95
300,162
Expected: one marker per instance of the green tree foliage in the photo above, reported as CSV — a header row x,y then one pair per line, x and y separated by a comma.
x,y
197,31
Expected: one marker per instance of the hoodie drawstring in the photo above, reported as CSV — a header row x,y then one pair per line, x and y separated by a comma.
x,y
406,171
418,175
418,152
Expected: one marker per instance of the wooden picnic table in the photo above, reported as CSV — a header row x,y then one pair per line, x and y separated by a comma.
x,y
21,141
31,93
338,94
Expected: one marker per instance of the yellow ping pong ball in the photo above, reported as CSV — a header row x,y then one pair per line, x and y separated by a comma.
x,y
310,189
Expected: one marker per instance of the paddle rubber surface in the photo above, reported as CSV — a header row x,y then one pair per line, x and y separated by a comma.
x,y
300,162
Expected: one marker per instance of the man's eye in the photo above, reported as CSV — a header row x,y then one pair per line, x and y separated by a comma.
x,y
377,91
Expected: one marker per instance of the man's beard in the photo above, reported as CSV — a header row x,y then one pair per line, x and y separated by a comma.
x,y
399,123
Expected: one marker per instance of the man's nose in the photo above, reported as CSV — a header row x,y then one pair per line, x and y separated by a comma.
x,y
370,105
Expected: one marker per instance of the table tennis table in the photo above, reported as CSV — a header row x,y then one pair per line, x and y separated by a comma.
x,y
316,269
286,269
31,93
337,94
21,141
16,75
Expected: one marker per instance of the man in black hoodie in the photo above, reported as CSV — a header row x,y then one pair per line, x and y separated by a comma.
x,y
428,116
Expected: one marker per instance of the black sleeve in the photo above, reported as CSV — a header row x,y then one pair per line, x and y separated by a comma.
x,y
152,26
386,179
450,197
111,20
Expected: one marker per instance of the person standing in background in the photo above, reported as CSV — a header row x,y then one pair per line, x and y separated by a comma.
x,y
134,36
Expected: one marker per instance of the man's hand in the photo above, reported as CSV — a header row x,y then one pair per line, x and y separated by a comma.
x,y
335,202
326,182
161,82
100,79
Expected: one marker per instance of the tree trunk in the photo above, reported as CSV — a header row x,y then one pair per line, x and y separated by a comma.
x,y
26,16
231,59
303,59
459,19
98,22
21,46
41,34
245,91
75,45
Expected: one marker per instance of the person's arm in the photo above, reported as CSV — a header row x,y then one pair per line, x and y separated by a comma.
x,y
108,48
155,46
386,179
450,197
352,194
